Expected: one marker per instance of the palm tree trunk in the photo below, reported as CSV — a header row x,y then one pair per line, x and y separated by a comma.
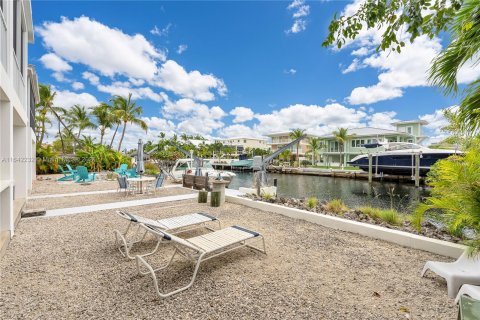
x,y
63,124
123,134
42,133
113,138
61,137
102,133
298,159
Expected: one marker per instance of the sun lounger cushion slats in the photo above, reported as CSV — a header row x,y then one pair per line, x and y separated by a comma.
x,y
183,221
220,239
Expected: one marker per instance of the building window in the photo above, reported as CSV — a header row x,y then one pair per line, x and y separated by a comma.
x,y
409,130
244,141
358,143
410,140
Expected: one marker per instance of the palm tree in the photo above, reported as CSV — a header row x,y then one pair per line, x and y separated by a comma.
x,y
295,134
184,137
314,144
127,111
42,118
341,135
104,117
61,112
79,118
46,106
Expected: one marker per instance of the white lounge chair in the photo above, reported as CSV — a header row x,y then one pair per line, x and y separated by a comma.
x,y
469,290
173,225
463,271
199,249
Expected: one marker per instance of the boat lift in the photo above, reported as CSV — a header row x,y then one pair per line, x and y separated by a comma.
x,y
260,169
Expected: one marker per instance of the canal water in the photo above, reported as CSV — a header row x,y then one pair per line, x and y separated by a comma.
x,y
354,192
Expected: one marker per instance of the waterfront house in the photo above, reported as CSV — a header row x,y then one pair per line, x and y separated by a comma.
x,y
242,143
405,131
18,96
280,139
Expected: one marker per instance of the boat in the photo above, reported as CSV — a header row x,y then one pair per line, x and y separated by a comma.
x,y
189,166
398,158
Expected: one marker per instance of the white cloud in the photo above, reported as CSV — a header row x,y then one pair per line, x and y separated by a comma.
x,y
182,48
436,121
67,99
124,89
193,84
242,114
360,52
77,85
107,50
290,71
470,71
354,66
382,120
161,32
195,118
92,78
53,62
239,130
372,94
300,11
136,82
298,26
315,119
60,77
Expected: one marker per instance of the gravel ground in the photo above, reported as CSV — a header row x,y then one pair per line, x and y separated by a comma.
x,y
68,268
91,199
47,184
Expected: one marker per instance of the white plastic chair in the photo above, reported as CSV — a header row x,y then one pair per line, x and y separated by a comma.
x,y
176,224
463,271
199,249
469,290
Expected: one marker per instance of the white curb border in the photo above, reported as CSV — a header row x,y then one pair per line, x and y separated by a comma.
x,y
402,238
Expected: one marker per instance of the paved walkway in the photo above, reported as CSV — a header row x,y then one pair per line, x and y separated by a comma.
x,y
76,194
117,205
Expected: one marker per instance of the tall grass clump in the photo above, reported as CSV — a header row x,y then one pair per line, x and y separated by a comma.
x,y
336,206
312,202
390,216
373,213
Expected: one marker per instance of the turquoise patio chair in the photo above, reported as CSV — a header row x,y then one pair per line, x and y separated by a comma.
x,y
131,173
122,170
84,176
69,167
67,175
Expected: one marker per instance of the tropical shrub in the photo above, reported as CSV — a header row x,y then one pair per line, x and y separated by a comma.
x,y
455,194
99,157
336,206
47,160
312,202
151,168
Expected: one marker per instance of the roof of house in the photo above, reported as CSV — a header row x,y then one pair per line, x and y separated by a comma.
x,y
286,133
239,138
410,122
368,131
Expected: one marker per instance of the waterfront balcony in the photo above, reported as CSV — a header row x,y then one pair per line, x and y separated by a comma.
x,y
67,266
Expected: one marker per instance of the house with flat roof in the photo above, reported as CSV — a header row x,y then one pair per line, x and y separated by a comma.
x,y
18,97
405,131
280,139
242,143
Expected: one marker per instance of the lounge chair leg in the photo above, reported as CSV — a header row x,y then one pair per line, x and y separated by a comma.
x,y
154,277
264,250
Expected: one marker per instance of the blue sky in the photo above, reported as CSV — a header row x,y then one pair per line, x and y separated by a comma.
x,y
231,68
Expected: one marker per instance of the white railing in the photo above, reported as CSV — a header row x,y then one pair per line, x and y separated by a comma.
x,y
3,40
19,83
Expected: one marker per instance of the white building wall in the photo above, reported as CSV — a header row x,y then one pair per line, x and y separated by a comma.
x,y
15,132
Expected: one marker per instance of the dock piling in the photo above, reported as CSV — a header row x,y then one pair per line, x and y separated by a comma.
x,y
369,168
417,170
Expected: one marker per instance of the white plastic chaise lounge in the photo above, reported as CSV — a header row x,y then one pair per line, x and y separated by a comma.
x,y
173,225
465,270
199,249
468,290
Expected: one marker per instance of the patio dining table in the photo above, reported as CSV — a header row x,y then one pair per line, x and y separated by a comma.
x,y
139,181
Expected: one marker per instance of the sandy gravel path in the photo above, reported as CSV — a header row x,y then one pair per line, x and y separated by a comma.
x,y
67,268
